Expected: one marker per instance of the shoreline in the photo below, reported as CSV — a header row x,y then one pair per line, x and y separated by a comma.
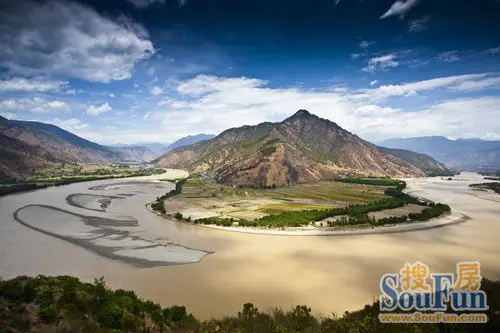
x,y
442,221
28,186
449,219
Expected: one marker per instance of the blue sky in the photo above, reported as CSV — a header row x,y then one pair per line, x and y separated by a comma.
x,y
128,71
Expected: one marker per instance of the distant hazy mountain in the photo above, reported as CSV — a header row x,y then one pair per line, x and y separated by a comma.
x,y
188,140
156,147
465,154
300,149
25,145
162,148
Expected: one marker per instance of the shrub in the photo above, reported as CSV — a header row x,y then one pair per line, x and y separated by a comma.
x,y
49,313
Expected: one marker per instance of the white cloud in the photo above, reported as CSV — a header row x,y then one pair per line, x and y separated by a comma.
x,y
366,43
35,104
449,118
212,104
218,103
471,85
73,125
491,136
493,50
381,63
20,84
371,110
69,40
97,110
449,56
410,89
374,82
155,91
8,115
399,8
419,25
202,84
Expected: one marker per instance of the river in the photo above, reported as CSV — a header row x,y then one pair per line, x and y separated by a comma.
x,y
102,228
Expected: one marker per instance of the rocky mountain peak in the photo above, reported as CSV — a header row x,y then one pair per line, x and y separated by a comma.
x,y
302,148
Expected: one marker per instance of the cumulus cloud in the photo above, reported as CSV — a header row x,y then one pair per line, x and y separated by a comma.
x,y
97,110
400,8
202,84
419,25
449,56
35,104
20,84
213,104
381,63
69,40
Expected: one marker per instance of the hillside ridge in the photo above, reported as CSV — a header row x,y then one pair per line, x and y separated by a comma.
x,y
302,148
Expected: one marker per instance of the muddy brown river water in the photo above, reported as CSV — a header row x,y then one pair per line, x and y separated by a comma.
x,y
103,228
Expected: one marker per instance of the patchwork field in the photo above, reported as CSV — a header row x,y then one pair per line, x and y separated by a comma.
x,y
202,198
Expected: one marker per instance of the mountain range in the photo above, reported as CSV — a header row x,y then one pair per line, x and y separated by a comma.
x,y
464,154
302,148
25,145
163,148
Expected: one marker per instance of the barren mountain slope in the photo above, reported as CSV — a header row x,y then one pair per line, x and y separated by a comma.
x,y
302,148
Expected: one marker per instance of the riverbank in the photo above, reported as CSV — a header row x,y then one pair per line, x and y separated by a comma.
x,y
7,189
450,219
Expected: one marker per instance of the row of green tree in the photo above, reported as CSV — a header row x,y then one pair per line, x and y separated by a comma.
x,y
433,211
159,205
370,181
491,186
